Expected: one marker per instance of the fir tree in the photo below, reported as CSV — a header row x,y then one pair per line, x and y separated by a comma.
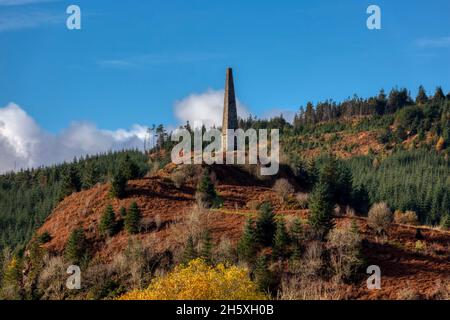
x,y
129,168
206,251
118,185
71,181
262,274
123,212
438,95
247,243
206,193
321,210
76,247
265,225
281,240
133,219
296,236
190,253
422,97
108,222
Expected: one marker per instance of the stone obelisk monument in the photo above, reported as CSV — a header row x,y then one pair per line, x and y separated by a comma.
x,y
230,120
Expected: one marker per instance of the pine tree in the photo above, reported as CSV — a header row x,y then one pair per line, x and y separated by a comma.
x,y
118,185
422,97
438,95
445,222
129,168
344,186
281,240
108,222
206,251
123,212
190,253
91,175
247,243
263,276
296,236
321,210
76,247
206,193
133,219
265,225
71,181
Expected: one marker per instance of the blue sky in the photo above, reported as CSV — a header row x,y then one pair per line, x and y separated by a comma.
x,y
133,60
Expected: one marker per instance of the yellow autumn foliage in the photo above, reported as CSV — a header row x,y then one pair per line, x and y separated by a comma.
x,y
199,281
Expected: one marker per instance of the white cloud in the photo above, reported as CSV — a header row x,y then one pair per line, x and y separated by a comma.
x,y
442,42
205,108
17,21
24,144
11,3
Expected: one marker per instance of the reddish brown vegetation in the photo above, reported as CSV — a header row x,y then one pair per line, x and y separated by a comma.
x,y
404,265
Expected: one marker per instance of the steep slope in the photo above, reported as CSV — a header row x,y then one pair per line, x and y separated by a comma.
x,y
166,209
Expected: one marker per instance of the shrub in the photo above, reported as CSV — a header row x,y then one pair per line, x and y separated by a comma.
x,y
283,188
178,178
303,200
344,246
380,218
306,288
133,219
45,237
52,279
11,282
408,217
199,281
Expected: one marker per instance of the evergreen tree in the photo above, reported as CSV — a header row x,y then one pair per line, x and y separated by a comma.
x,y
247,243
71,181
263,276
206,251
133,219
281,240
129,168
206,193
123,212
118,185
190,253
445,222
108,222
422,97
329,175
321,210
76,247
265,225
91,175
344,186
360,199
296,236
439,95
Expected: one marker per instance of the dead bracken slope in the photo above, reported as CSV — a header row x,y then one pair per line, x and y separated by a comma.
x,y
404,265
